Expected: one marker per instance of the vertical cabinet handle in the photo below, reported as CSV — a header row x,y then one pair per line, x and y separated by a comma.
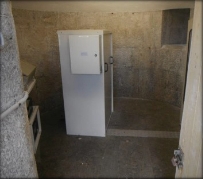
x,y
106,67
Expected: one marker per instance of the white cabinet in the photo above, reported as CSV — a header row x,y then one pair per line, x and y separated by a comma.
x,y
87,80
85,54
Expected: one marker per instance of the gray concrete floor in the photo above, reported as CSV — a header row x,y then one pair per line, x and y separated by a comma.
x,y
63,156
138,114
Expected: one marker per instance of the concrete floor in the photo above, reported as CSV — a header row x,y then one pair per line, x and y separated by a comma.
x,y
137,114
63,156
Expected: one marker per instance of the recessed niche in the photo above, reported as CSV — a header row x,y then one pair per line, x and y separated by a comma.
x,y
174,26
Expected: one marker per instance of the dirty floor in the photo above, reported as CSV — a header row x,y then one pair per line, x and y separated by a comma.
x,y
138,114
63,156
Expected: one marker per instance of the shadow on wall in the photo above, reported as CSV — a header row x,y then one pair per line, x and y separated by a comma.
x,y
142,68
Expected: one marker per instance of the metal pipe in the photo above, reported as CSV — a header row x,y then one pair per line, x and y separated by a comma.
x,y
16,105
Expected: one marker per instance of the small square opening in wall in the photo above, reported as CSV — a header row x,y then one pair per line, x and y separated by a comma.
x,y
174,26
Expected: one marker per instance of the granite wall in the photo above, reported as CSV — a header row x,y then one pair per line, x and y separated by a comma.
x,y
17,155
143,68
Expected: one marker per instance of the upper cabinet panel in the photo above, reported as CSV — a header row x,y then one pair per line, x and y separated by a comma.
x,y
85,54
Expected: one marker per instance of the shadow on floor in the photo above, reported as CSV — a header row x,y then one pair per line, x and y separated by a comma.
x,y
138,114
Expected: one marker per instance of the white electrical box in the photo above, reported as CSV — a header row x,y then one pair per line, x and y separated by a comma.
x,y
85,54
87,80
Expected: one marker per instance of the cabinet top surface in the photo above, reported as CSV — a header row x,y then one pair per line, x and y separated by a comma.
x,y
81,32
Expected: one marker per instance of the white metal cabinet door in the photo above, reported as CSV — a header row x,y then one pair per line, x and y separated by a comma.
x,y
85,54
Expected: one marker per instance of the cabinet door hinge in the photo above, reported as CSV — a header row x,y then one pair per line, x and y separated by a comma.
x,y
111,60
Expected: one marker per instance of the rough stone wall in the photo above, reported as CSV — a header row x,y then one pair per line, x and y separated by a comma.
x,y
17,156
142,68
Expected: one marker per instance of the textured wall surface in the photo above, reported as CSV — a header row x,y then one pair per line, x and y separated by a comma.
x,y
17,157
142,68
